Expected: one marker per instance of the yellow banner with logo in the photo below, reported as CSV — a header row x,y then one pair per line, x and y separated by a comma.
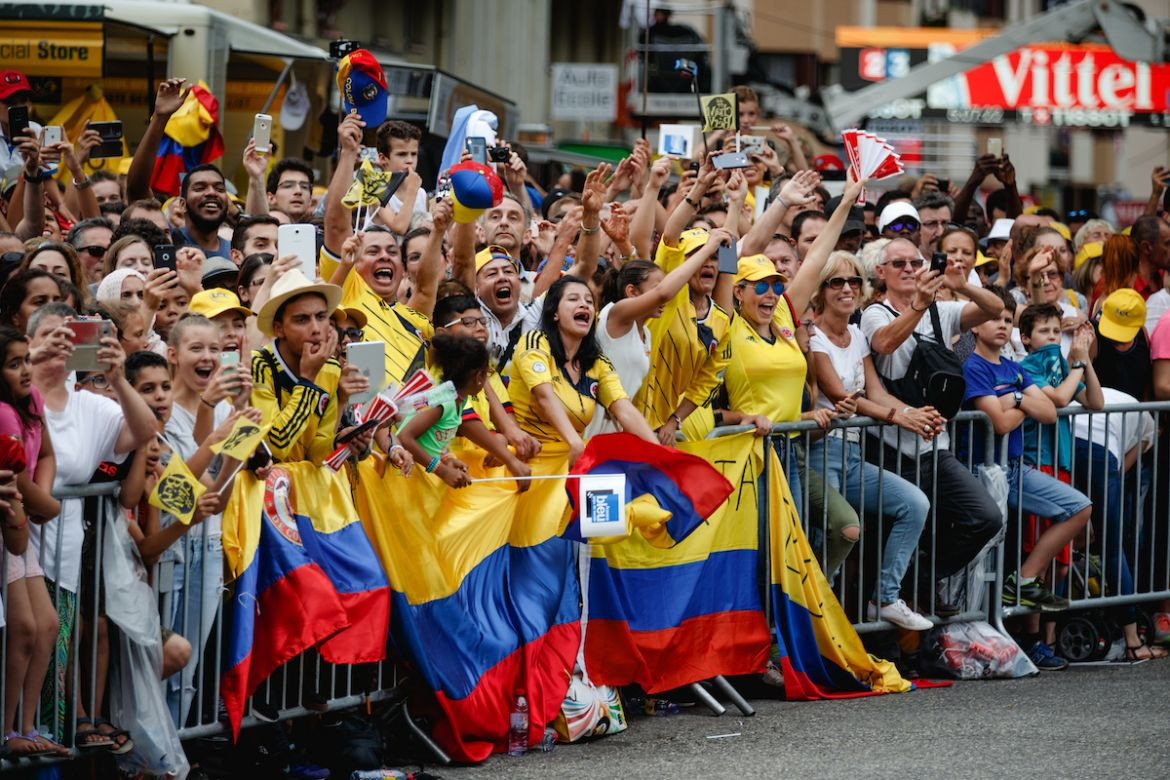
x,y
44,48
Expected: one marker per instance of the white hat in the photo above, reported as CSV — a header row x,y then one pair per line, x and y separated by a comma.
x,y
1001,230
295,107
110,288
893,211
291,284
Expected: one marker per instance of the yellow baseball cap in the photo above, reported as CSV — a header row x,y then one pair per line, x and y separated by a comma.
x,y
1122,315
756,267
1062,228
487,254
692,239
982,259
357,315
212,303
1089,250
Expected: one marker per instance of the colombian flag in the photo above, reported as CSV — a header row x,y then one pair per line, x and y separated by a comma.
x,y
191,138
821,655
666,616
283,602
486,601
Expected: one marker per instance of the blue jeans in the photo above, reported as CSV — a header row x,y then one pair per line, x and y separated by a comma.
x,y
843,468
1041,495
198,582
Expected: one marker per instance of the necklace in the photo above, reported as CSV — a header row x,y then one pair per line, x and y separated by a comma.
x,y
839,339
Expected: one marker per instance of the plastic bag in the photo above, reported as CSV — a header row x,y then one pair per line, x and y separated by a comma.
x,y
965,588
589,711
974,651
137,702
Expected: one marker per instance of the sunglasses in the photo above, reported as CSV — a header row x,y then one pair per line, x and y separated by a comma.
x,y
353,334
837,282
1078,214
92,251
763,286
1052,274
467,322
903,226
899,265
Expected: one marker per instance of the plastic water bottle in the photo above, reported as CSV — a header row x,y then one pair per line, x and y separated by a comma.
x,y
518,727
660,707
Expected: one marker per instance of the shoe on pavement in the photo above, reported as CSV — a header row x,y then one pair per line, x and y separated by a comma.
x,y
1032,595
900,615
1045,658
1161,629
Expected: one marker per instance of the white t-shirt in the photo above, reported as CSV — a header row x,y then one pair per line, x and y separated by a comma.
x,y
180,434
84,434
1107,429
1156,305
848,362
420,202
630,355
877,316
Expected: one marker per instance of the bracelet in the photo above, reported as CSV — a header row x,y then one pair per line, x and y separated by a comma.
x,y
84,184
434,464
677,419
890,415
40,177
592,230
206,403
691,203
918,310
783,203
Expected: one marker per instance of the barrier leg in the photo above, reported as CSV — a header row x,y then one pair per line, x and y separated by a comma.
x,y
730,692
706,698
437,751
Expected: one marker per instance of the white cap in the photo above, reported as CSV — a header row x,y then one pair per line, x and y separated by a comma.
x,y
295,107
1001,230
895,210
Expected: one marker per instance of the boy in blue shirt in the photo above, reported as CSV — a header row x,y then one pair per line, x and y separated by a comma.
x,y
1002,389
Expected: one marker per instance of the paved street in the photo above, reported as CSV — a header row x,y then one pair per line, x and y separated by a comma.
x,y
1095,722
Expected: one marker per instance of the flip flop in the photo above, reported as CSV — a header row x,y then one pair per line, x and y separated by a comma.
x,y
90,738
120,738
15,751
52,747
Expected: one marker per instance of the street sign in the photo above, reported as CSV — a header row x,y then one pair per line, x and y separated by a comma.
x,y
584,92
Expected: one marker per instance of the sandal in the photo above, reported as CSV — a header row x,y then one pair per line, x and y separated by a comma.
x,y
121,743
51,746
19,746
1152,652
90,738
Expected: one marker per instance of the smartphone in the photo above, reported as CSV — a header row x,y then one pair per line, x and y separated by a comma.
x,y
728,259
229,362
301,241
368,153
995,146
729,160
694,166
752,144
499,154
261,457
369,357
477,148
87,337
164,256
944,186
262,132
52,135
938,262
17,120
349,436
111,145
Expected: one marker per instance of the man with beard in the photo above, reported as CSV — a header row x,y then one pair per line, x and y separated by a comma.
x,y
204,195
369,268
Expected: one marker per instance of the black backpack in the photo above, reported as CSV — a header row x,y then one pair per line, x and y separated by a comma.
x,y
935,374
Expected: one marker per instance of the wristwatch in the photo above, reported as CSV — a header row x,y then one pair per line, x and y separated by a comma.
x,y
1077,364
1019,398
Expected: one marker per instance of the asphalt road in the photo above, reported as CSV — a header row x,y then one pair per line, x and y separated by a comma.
x,y
1089,721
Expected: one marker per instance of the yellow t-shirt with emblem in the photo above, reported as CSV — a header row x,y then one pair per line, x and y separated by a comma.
x,y
766,377
687,358
302,415
404,330
533,366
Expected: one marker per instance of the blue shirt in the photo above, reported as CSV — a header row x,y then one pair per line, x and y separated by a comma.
x,y
1049,368
995,379
183,238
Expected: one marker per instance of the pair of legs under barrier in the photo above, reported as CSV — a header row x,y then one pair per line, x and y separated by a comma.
x,y
1096,472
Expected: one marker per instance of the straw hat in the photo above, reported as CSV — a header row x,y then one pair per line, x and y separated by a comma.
x,y
292,285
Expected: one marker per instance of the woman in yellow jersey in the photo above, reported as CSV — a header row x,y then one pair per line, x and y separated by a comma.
x,y
560,377
766,374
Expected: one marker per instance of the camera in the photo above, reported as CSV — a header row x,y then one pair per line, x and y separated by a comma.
x,y
341,47
499,154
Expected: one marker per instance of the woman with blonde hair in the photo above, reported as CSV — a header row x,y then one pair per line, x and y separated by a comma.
x,y
58,258
129,251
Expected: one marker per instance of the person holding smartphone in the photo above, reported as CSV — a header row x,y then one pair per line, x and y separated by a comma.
x,y
15,92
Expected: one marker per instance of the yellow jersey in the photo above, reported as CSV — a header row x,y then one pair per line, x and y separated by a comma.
x,y
404,330
533,366
766,376
687,357
302,414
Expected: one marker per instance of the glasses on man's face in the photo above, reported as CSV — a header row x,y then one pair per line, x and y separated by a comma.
x,y
93,250
96,381
764,285
903,226
837,282
899,265
467,322
295,185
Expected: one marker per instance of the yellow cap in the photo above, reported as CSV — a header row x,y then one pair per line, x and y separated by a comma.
x,y
1033,208
1127,230
1122,315
754,268
1089,250
1062,228
692,239
214,302
486,255
353,313
982,259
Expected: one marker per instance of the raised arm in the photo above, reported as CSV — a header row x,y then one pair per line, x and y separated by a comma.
x,y
139,425
801,288
678,220
642,223
588,252
32,219
78,191
167,100
430,267
338,220
983,165
796,192
256,165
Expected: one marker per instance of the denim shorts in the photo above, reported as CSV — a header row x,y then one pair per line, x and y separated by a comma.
x,y
1039,494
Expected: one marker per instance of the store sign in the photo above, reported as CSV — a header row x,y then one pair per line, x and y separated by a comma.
x,y
584,92
53,48
1047,83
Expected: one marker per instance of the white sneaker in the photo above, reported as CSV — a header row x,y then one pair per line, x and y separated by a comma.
x,y
901,615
